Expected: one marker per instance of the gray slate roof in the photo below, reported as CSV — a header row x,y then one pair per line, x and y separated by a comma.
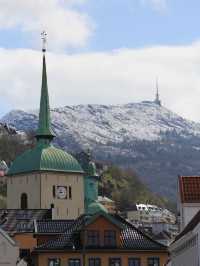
x,y
53,226
131,237
18,221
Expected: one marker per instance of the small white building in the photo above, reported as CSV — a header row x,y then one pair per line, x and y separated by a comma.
x,y
9,251
147,213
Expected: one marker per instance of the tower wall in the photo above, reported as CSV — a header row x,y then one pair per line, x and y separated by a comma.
x,y
42,190
64,208
27,183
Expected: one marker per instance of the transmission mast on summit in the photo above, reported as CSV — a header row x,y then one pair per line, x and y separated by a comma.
x,y
157,99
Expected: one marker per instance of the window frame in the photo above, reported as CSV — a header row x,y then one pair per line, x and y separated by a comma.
x,y
117,259
136,259
107,238
91,242
54,259
74,259
94,259
154,259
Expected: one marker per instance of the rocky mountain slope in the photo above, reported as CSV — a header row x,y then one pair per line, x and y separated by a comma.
x,y
144,136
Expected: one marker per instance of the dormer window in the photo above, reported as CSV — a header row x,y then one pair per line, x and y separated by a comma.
x,y
93,239
110,238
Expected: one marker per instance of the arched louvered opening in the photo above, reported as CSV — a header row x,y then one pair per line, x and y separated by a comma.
x,y
24,201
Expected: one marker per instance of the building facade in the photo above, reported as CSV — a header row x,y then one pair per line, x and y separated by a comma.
x,y
98,240
185,250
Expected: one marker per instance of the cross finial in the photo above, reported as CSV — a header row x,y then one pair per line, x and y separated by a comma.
x,y
44,41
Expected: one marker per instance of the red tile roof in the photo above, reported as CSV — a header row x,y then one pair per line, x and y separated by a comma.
x,y
189,187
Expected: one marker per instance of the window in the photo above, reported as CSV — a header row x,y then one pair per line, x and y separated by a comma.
x,y
94,262
115,262
54,191
54,262
134,262
74,262
153,261
93,238
24,201
110,238
70,192
24,253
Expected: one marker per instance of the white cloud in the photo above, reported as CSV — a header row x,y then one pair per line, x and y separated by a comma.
x,y
117,77
65,25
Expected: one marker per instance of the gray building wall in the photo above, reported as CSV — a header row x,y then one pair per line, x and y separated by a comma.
x,y
9,252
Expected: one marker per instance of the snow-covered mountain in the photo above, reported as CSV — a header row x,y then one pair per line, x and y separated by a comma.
x,y
137,135
101,124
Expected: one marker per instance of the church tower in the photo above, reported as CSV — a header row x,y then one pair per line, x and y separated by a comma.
x,y
91,181
46,177
157,99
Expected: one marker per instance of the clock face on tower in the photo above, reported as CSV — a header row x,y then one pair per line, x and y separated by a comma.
x,y
61,192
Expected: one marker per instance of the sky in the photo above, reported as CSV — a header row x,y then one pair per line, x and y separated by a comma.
x,y
101,52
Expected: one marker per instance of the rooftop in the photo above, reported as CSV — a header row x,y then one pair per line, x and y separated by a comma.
x,y
189,187
52,226
17,221
131,237
44,157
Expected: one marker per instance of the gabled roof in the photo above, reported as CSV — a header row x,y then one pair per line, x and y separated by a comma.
x,y
190,226
18,221
189,189
107,216
131,237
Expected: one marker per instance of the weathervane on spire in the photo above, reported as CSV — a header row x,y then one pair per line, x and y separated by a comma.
x,y
44,41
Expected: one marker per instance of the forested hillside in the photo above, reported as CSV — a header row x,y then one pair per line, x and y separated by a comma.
x,y
125,188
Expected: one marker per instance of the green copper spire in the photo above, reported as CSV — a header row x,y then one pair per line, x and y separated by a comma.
x,y
44,128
